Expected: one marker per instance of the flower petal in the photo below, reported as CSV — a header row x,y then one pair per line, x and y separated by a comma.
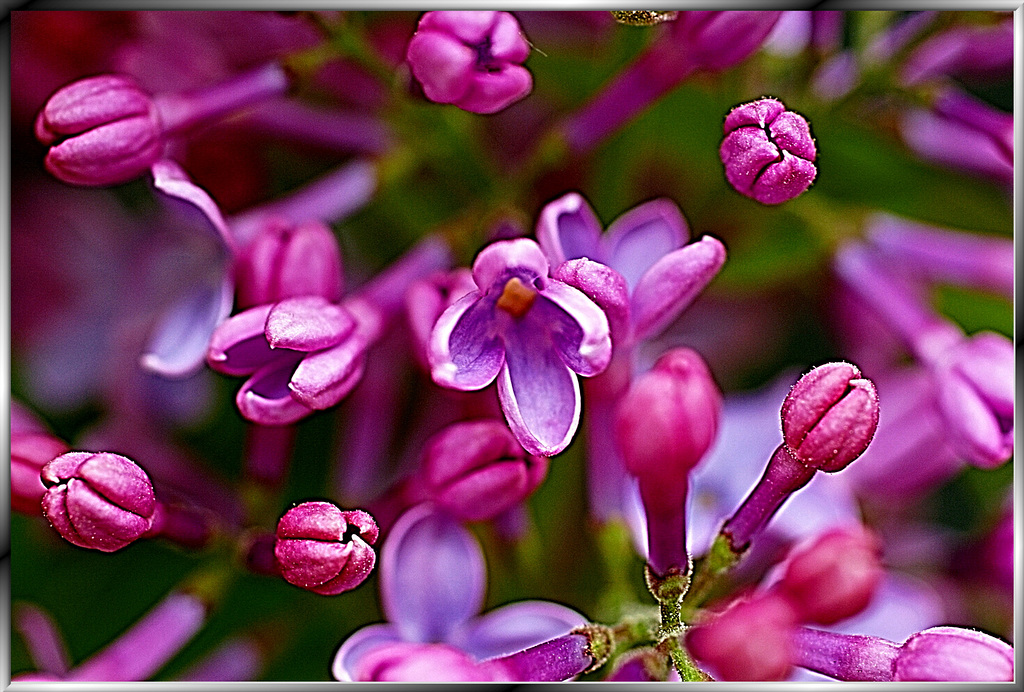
x,y
432,575
324,378
674,281
443,65
265,397
515,627
605,287
539,394
577,326
503,259
491,91
170,179
238,345
358,644
465,352
642,236
307,323
569,229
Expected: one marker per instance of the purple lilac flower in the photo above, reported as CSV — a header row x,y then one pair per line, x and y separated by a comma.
x,y
768,152
432,581
973,50
471,59
135,655
106,130
531,332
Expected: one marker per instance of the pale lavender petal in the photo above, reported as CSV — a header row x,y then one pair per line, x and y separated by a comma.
x,y
972,428
605,287
568,228
169,178
515,627
235,660
326,377
180,342
265,397
432,575
673,283
238,346
642,235
578,327
307,323
358,644
42,638
465,352
520,257
539,394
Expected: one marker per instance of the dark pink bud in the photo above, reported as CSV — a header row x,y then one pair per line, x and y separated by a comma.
x,y
30,452
102,131
768,152
830,416
834,576
98,500
288,261
322,549
748,641
477,469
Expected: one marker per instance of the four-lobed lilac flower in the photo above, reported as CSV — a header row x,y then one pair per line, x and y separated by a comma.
x,y
532,333
471,59
768,151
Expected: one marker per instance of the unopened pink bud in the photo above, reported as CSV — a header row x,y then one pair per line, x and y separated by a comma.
x,y
768,152
834,576
477,469
323,549
102,130
100,500
830,416
30,452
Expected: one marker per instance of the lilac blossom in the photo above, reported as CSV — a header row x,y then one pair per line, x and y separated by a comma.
x,y
974,50
531,332
432,581
471,59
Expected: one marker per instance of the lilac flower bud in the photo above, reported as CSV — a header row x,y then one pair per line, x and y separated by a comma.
x,y
323,549
471,59
748,641
834,576
768,152
476,469
644,664
30,452
585,648
428,662
286,261
830,416
102,130
98,500
718,40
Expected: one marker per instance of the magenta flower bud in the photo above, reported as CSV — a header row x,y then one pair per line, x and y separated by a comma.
x,y
323,549
768,152
287,261
30,452
476,469
954,654
830,416
834,576
748,641
471,59
561,658
101,131
98,500
718,40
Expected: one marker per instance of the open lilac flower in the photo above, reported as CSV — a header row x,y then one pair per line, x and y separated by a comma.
x,y
531,332
432,581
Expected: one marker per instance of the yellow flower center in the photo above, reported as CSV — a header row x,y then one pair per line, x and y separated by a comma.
x,y
516,298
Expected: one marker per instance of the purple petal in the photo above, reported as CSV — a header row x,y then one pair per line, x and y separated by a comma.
x,y
568,229
180,341
539,394
169,178
326,377
443,65
265,397
42,638
238,345
507,40
578,327
432,575
515,627
359,643
307,323
491,91
972,428
465,352
674,281
470,26
605,287
642,236
505,258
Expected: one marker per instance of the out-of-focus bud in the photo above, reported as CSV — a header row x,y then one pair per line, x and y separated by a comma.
x,y
834,576
645,664
562,658
416,662
476,469
30,452
287,261
471,59
830,416
748,641
102,130
954,654
323,549
718,40
768,152
100,500
973,51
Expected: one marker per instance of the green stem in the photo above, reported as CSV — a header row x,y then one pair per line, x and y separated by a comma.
x,y
688,670
720,559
